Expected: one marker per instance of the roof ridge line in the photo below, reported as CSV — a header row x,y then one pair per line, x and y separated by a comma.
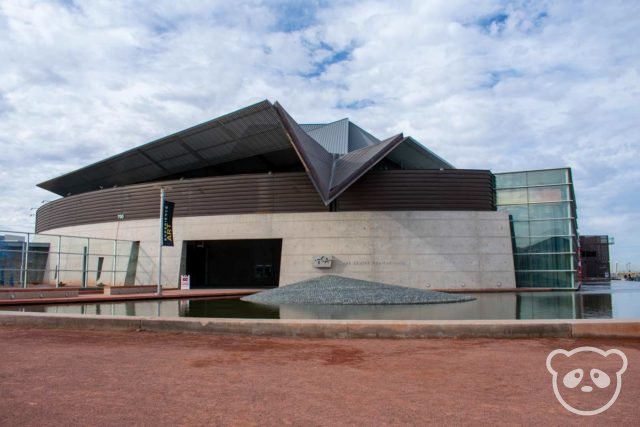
x,y
336,157
317,175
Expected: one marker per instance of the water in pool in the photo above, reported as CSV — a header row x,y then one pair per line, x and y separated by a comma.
x,y
618,300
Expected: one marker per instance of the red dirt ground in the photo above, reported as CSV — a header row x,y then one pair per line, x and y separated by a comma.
x,y
63,377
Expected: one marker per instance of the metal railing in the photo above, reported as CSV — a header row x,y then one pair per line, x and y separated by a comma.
x,y
34,259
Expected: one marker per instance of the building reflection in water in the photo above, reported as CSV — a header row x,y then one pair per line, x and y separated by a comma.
x,y
564,305
618,301
595,306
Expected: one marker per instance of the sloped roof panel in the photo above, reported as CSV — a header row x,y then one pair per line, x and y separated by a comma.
x,y
334,137
413,155
317,161
350,167
359,138
311,126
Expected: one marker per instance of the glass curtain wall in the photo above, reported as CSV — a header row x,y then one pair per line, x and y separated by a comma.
x,y
544,231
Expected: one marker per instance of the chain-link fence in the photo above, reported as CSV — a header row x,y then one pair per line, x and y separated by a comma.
x,y
28,259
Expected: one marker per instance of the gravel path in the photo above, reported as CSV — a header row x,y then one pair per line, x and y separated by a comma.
x,y
339,290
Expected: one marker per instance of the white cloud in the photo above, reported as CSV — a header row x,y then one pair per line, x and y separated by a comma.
x,y
489,84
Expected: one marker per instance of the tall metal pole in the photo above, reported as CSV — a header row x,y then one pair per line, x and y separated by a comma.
x,y
26,261
58,267
159,290
114,263
88,256
21,266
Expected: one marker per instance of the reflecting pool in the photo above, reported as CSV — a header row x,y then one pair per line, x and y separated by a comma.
x,y
618,300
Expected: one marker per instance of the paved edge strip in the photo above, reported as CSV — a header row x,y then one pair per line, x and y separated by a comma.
x,y
335,328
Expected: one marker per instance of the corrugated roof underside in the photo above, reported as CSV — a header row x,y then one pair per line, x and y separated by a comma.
x,y
251,131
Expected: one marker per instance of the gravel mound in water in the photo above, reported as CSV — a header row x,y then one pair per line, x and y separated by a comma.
x,y
343,290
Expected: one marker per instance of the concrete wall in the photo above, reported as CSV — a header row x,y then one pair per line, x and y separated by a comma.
x,y
422,249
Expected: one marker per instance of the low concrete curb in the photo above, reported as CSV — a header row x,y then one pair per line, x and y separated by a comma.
x,y
128,290
336,328
18,295
90,297
69,321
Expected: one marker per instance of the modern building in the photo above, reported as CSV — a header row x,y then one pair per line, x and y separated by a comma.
x,y
261,200
594,251
542,209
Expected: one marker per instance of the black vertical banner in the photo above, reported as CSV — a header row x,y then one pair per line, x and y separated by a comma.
x,y
167,223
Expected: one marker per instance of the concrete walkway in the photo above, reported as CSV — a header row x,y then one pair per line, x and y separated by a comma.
x,y
110,378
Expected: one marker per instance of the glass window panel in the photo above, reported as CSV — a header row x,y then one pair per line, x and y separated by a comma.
x,y
544,262
523,279
522,244
509,180
512,197
521,262
551,262
558,176
552,279
554,305
552,227
550,210
550,244
548,194
521,229
517,212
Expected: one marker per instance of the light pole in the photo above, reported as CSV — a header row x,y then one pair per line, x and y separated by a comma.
x,y
159,288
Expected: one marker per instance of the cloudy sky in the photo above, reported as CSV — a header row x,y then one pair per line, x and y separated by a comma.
x,y
485,84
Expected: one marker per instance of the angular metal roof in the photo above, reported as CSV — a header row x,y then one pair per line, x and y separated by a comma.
x,y
413,155
253,139
331,173
252,131
311,126
334,137
341,136
317,161
359,138
350,167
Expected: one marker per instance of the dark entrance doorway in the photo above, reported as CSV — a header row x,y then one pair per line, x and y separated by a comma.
x,y
234,263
